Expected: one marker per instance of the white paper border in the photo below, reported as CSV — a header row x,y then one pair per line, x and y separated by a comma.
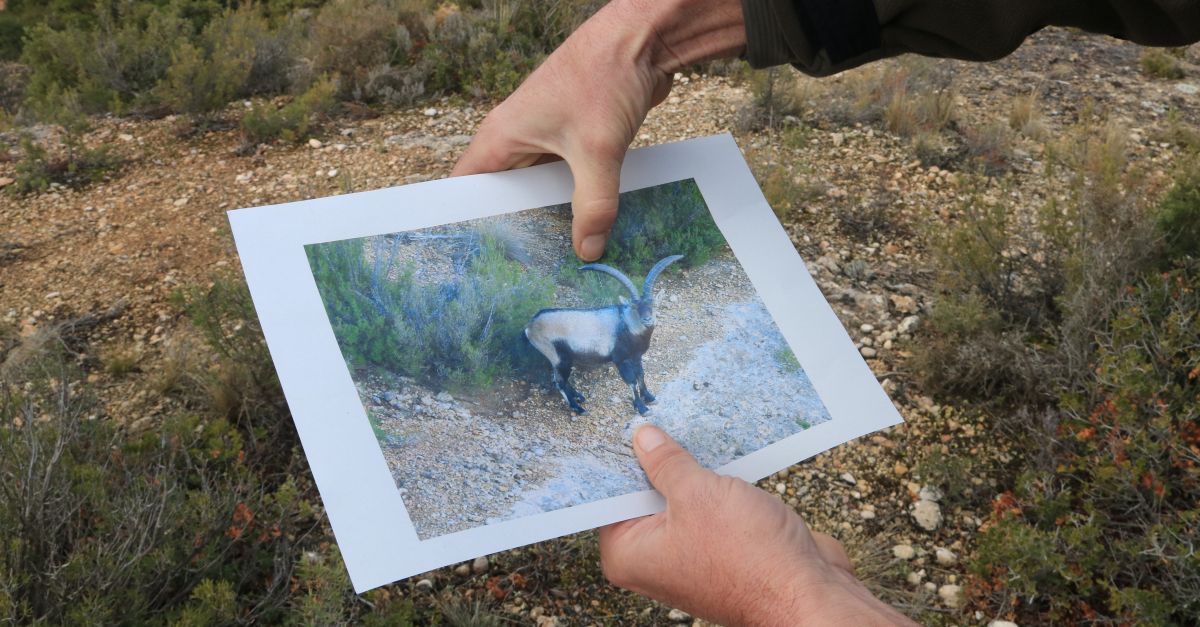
x,y
376,537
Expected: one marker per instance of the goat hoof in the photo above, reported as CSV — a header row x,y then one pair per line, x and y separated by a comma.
x,y
650,400
579,398
642,409
579,410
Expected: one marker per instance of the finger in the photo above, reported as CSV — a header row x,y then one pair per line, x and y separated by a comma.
x,y
594,203
489,153
668,466
833,552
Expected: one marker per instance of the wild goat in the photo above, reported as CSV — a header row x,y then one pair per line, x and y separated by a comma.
x,y
588,337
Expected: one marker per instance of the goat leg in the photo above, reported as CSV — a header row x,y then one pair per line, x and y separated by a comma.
x,y
641,379
628,370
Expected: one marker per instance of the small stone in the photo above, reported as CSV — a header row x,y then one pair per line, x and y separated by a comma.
x,y
181,201
430,112
903,552
866,514
425,584
1187,89
904,304
900,469
866,328
927,515
125,137
1001,623
332,173
444,397
678,616
5,181
314,143
909,324
868,352
848,478
950,594
945,557
914,578
462,570
929,493
838,139
480,565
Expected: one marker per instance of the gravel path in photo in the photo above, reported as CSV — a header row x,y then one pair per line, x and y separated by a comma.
x,y
725,383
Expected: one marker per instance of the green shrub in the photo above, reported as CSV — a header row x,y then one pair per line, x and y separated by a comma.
x,y
655,222
292,122
463,332
351,38
1107,532
76,164
115,65
124,528
204,76
1158,63
1179,219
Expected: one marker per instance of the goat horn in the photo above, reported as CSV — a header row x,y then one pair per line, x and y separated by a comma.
x,y
648,286
614,273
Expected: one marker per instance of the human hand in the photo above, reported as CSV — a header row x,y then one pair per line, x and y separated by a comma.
x,y
585,103
728,552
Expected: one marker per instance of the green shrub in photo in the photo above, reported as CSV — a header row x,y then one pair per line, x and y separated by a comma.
x,y
462,332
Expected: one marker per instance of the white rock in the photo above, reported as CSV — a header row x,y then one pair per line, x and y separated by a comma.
x,y
1187,88
480,565
868,352
927,515
462,570
430,112
332,173
425,584
314,143
915,577
866,514
945,557
909,324
848,478
678,616
1002,623
903,551
930,493
951,595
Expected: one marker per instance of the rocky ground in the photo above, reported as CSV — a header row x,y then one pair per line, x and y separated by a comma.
x,y
908,519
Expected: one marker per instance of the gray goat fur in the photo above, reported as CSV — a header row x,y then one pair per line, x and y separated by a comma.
x,y
617,334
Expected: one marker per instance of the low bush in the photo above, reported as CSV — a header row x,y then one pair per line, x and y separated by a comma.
x,y
292,122
162,526
75,164
1159,63
1179,219
1107,534
462,332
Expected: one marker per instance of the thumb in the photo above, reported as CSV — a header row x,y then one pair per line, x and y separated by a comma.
x,y
668,466
594,203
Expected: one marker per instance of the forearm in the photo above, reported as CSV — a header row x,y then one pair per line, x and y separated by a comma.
x,y
823,37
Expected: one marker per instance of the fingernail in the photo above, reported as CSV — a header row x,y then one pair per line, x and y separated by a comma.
x,y
592,247
649,437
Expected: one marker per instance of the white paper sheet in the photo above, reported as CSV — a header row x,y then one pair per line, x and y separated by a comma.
x,y
374,530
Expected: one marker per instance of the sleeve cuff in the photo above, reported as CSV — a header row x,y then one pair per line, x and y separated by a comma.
x,y
772,32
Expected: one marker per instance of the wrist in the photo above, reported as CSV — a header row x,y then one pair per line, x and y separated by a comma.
x,y
678,33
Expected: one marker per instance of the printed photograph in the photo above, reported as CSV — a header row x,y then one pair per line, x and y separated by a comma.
x,y
503,377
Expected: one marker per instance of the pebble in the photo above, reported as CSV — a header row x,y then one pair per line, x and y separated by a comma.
x,y
927,515
1002,623
909,324
916,577
480,565
868,352
425,584
678,616
900,469
866,514
462,570
903,552
314,143
848,478
1187,89
945,557
929,493
950,594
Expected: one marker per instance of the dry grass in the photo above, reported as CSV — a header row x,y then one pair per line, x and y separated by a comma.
x,y
1025,117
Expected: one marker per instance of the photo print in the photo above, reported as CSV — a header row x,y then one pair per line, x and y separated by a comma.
x,y
462,384
503,378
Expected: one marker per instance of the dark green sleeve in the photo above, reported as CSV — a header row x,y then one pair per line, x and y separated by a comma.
x,y
803,33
